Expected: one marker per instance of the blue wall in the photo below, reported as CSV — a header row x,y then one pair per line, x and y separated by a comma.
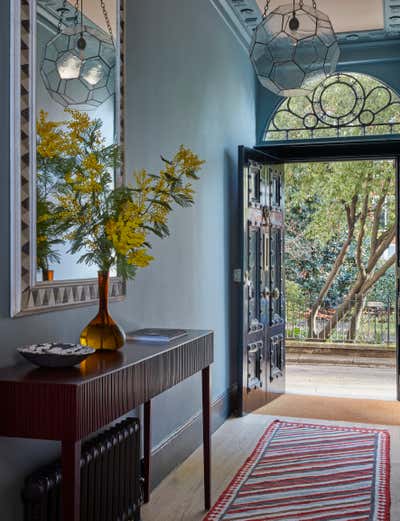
x,y
380,59
189,81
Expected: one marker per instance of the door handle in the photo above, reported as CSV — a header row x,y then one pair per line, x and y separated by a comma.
x,y
250,290
276,294
266,252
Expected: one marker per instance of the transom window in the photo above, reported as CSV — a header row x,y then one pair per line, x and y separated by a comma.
x,y
343,105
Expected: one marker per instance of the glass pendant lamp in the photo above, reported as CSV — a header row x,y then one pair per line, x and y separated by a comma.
x,y
78,68
291,46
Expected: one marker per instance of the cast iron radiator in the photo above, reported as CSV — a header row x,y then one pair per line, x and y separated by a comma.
x,y
110,480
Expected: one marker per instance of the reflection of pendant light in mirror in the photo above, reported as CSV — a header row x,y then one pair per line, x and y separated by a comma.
x,y
93,73
293,45
78,68
69,66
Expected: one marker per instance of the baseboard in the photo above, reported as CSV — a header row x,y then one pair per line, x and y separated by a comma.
x,y
180,444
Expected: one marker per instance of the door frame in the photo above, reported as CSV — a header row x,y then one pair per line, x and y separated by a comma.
x,y
345,150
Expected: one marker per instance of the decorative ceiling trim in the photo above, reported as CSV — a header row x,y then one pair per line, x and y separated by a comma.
x,y
241,16
392,16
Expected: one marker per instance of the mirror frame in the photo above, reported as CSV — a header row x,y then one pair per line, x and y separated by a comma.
x,y
27,295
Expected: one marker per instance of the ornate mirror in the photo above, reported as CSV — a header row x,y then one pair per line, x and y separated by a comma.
x,y
67,71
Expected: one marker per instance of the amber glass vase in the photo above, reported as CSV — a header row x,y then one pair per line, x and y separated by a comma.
x,y
48,275
103,333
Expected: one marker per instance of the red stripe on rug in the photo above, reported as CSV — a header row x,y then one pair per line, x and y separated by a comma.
x,y
367,488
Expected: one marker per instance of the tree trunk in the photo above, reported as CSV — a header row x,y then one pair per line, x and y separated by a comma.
x,y
351,222
341,312
361,287
356,317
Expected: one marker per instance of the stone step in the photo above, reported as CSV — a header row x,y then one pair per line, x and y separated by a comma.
x,y
322,348
353,360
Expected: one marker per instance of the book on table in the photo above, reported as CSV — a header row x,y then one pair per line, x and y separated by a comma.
x,y
156,335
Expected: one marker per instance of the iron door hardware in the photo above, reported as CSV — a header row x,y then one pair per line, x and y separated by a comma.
x,y
275,293
266,252
256,327
254,361
277,356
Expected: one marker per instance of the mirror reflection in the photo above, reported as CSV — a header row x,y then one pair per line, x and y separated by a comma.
x,y
76,114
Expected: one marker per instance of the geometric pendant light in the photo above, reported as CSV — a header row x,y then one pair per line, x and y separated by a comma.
x,y
292,45
78,68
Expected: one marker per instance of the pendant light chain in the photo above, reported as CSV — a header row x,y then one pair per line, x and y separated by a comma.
x,y
76,17
79,14
266,9
62,11
82,24
107,19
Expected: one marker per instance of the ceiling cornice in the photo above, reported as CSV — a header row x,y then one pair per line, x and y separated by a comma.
x,y
242,16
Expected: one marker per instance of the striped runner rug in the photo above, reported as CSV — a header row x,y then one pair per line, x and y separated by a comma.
x,y
302,472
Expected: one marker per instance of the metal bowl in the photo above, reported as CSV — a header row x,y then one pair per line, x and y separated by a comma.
x,y
55,355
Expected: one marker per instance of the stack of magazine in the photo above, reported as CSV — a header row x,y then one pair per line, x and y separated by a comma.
x,y
160,336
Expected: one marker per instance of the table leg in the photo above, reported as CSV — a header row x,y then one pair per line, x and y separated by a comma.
x,y
147,450
206,436
71,480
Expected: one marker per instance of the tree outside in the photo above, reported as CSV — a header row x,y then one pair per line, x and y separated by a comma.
x,y
340,253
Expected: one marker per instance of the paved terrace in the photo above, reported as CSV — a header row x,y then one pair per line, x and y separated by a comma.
x,y
343,371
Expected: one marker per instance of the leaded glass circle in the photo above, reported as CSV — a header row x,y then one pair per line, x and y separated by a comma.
x,y
338,100
343,105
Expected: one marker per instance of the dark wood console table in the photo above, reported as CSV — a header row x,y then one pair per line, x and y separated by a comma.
x,y
70,404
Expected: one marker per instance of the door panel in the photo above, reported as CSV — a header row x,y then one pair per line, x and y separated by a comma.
x,y
398,277
262,350
275,330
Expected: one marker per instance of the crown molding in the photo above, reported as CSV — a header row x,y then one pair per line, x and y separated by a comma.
x,y
241,16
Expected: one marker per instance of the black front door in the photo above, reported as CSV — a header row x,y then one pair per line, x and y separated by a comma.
x,y
398,278
262,349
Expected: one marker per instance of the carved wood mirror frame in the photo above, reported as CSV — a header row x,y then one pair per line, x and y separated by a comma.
x,y
27,295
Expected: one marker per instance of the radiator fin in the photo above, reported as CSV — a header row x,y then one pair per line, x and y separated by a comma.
x,y
110,480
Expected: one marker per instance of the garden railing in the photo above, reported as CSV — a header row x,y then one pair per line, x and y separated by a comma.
x,y
374,324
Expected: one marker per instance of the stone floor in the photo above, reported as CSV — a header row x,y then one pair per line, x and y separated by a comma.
x,y
342,381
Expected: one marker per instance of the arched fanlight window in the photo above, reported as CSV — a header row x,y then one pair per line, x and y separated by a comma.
x,y
343,105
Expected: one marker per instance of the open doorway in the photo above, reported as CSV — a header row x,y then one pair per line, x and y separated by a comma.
x,y
340,259
348,117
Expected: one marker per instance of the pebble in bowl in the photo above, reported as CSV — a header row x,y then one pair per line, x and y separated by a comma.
x,y
55,354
